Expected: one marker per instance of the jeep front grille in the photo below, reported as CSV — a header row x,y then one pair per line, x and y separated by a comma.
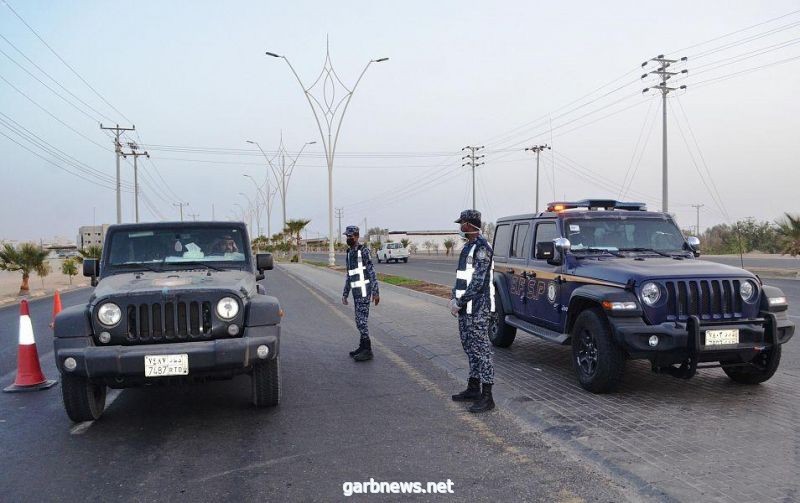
x,y
713,299
169,321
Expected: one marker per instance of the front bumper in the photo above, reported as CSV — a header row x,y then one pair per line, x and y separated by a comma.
x,y
124,365
679,341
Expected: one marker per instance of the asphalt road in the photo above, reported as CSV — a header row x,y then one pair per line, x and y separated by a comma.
x,y
389,419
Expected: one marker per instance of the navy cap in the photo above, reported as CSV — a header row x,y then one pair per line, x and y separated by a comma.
x,y
470,216
351,230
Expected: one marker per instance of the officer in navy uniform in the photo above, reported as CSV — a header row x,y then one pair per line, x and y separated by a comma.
x,y
472,301
360,278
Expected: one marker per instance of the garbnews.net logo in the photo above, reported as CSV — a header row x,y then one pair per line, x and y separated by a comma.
x,y
373,487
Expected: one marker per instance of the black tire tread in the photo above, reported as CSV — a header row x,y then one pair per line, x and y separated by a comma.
x,y
751,375
266,383
505,333
611,364
83,400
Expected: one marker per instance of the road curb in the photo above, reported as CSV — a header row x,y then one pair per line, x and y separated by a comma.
x,y
8,301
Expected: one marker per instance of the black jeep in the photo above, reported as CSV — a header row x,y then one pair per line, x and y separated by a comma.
x,y
173,302
618,282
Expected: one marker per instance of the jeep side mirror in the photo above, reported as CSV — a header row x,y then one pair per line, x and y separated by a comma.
x,y
91,269
264,262
560,245
694,245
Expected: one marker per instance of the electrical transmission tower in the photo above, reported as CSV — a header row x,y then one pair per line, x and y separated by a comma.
x,y
339,215
118,151
537,149
664,74
180,205
472,161
134,147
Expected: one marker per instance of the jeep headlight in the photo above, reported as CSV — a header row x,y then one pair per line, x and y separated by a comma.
x,y
227,308
747,290
650,293
109,314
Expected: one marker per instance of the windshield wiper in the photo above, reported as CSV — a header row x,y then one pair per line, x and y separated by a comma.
x,y
651,250
604,250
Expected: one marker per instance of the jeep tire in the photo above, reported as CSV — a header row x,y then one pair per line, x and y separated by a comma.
x,y
501,334
767,363
266,383
84,400
405,260
599,363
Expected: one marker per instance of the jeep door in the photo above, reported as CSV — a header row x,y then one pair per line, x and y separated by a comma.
x,y
543,294
518,267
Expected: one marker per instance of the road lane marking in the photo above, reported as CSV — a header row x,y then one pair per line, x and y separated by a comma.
x,y
473,422
81,428
793,316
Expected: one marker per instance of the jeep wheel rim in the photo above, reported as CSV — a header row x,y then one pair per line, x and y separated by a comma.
x,y
587,353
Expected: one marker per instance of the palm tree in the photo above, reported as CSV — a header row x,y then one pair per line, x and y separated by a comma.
x,y
449,243
293,229
405,242
789,235
70,268
26,258
91,251
428,245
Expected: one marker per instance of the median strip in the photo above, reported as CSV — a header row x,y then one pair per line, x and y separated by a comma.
x,y
401,281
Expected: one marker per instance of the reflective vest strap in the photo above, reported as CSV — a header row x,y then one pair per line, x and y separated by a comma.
x,y
360,273
466,275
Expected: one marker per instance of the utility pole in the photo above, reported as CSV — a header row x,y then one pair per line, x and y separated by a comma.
x,y
472,161
213,214
537,149
663,72
118,151
194,216
180,205
339,215
133,146
697,228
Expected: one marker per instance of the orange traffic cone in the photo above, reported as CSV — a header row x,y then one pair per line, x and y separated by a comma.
x,y
29,373
56,308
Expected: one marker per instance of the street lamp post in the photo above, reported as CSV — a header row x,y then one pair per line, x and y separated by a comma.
x,y
264,200
250,207
327,110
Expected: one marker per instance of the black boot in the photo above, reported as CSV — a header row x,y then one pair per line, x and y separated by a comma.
x,y
365,353
359,349
486,403
471,394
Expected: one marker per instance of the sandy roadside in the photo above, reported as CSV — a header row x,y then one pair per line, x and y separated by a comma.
x,y
40,287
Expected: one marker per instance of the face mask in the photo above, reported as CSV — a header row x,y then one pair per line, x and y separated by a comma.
x,y
462,234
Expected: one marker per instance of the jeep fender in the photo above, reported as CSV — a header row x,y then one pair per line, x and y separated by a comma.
x,y
501,293
262,310
588,296
73,322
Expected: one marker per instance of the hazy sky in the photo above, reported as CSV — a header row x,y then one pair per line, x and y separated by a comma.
x,y
502,74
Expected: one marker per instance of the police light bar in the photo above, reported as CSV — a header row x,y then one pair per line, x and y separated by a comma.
x,y
596,204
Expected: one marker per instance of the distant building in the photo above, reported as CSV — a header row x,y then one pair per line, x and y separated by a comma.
x,y
431,242
91,235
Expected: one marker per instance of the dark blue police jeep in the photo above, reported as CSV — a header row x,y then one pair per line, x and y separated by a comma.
x,y
618,282
174,302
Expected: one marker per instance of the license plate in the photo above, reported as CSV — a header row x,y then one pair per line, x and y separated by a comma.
x,y
722,337
166,365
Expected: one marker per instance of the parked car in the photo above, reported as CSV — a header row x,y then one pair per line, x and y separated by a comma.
x,y
617,282
392,252
173,302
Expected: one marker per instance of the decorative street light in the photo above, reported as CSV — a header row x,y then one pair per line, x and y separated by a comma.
x,y
281,173
328,109
259,192
250,207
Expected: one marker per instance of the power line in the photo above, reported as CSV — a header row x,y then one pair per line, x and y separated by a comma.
x,y
64,62
737,31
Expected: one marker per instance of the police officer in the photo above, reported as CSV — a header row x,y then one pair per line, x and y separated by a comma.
x,y
472,301
360,278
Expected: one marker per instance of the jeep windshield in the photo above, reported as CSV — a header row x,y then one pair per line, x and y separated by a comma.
x,y
181,247
639,235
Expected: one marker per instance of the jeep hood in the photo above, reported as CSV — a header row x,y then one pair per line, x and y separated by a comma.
x,y
620,270
175,281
